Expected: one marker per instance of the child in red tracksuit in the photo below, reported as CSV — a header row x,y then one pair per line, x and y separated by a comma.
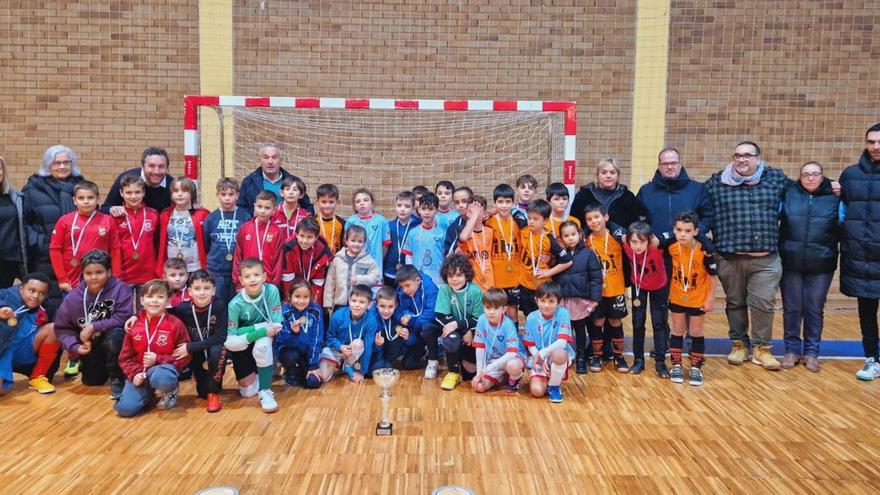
x,y
260,238
136,230
147,358
306,257
180,228
80,231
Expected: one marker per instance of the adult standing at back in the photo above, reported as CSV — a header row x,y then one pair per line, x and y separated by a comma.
x,y
268,176
619,202
13,249
809,233
154,172
47,196
860,249
745,197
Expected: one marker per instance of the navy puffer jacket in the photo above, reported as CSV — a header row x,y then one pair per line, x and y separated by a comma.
x,y
809,230
860,249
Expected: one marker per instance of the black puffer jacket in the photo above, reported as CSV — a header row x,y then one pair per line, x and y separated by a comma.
x,y
584,277
45,201
860,248
809,231
622,206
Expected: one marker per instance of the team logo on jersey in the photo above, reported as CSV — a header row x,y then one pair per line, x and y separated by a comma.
x,y
269,237
162,338
102,231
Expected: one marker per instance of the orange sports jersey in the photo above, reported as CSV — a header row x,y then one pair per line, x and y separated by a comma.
x,y
506,249
537,250
553,224
332,230
478,249
610,255
691,269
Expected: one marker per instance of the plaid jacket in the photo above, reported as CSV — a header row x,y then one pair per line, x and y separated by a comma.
x,y
747,217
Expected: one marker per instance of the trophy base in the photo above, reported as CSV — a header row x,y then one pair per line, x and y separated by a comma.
x,y
383,431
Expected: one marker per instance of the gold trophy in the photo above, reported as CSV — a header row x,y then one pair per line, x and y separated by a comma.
x,y
385,378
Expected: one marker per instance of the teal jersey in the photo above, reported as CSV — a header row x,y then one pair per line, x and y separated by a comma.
x,y
250,315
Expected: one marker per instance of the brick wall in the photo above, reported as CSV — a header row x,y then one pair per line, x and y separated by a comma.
x,y
106,79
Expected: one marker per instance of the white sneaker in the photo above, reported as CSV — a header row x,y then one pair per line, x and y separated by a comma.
x,y
870,371
431,370
250,390
267,401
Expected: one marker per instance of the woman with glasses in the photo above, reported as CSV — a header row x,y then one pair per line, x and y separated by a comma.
x,y
745,197
48,195
808,244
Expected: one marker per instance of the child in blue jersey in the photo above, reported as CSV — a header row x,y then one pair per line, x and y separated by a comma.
x,y
220,230
498,351
400,229
445,212
378,233
548,339
299,343
393,339
418,296
424,246
350,338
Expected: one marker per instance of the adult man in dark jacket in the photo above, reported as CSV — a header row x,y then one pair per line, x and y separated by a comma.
x,y
269,176
745,198
671,191
860,249
154,171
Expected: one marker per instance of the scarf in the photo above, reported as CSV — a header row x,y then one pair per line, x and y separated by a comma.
x,y
730,177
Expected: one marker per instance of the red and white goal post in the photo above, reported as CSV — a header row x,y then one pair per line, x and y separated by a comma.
x,y
394,143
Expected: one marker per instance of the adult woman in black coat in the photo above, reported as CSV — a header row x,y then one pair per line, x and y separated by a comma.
x,y
48,195
620,203
13,254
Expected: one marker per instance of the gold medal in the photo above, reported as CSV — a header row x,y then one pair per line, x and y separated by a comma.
x,y
205,366
12,321
404,319
509,267
180,256
229,257
74,262
136,256
302,321
636,303
483,281
357,366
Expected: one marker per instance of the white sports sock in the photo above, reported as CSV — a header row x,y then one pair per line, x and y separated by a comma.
x,y
557,371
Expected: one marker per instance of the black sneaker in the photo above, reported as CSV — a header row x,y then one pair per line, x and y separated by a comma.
x,y
621,364
581,366
116,386
596,364
662,370
638,366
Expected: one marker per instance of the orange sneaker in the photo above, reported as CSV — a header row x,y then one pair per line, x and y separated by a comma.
x,y
214,403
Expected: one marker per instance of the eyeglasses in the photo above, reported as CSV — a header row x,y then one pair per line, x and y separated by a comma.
x,y
669,164
743,156
811,175
66,163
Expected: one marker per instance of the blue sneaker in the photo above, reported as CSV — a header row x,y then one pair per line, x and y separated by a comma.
x,y
677,374
512,386
349,370
555,393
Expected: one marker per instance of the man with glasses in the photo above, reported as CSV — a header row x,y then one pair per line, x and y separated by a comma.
x,y
745,197
670,192
860,249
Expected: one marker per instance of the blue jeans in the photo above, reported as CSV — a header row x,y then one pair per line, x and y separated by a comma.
x,y
162,377
225,288
803,300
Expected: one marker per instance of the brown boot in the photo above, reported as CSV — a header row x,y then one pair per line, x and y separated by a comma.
x,y
739,354
790,360
762,356
812,363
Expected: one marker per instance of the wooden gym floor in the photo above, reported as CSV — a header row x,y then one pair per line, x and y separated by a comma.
x,y
745,431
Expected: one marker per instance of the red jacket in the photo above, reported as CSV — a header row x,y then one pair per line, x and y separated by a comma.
x,y
100,233
198,216
288,227
141,270
246,247
310,265
167,332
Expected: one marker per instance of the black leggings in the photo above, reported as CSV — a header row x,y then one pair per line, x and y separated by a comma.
x,y
868,323
103,360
